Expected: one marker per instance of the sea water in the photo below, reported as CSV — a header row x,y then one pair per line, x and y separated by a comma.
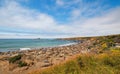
x,y
16,44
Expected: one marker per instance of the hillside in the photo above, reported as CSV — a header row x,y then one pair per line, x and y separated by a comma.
x,y
105,63
104,58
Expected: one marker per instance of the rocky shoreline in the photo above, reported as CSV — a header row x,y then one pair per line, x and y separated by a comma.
x,y
24,62
41,58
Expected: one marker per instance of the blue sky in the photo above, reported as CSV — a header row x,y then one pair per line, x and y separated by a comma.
x,y
58,18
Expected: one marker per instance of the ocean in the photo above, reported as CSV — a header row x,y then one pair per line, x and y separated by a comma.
x,y
16,44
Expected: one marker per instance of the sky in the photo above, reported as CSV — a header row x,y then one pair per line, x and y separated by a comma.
x,y
58,18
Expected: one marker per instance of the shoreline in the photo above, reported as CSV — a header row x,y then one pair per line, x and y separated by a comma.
x,y
24,49
39,49
51,56
41,58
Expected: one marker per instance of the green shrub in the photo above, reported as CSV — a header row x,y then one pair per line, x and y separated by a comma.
x,y
112,61
14,59
71,68
21,64
81,62
108,61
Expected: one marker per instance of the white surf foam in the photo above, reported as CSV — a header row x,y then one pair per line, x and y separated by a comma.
x,y
68,44
21,49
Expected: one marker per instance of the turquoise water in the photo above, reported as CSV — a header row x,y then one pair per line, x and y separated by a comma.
x,y
16,44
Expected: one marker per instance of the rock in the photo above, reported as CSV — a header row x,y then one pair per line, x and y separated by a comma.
x,y
24,68
61,55
46,64
29,62
46,61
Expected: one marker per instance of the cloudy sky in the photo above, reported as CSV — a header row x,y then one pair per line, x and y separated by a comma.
x,y
58,18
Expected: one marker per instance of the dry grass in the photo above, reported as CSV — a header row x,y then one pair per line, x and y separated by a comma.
x,y
105,63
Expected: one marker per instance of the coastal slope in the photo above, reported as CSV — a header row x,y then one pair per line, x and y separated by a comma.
x,y
90,53
103,58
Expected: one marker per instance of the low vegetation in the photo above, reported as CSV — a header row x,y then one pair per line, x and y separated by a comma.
x,y
22,64
17,60
105,63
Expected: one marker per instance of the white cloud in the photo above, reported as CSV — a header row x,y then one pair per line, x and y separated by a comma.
x,y
87,9
66,4
25,35
60,2
106,24
12,14
15,15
